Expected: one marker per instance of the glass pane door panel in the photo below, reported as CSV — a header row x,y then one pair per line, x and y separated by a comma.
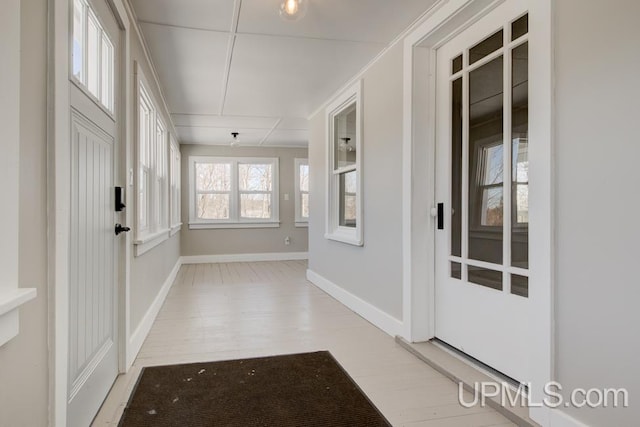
x,y
481,276
486,162
456,167
520,157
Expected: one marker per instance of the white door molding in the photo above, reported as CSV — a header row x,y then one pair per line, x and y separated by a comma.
x,y
444,21
59,195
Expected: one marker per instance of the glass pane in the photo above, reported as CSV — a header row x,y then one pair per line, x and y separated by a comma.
x,y
486,163
143,199
78,39
304,205
345,137
456,64
486,47
255,177
348,191
107,73
520,27
520,158
93,56
481,276
456,168
520,285
304,177
255,206
456,270
213,177
212,206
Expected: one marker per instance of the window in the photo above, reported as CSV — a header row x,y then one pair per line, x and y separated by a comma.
x,y
228,192
174,191
153,172
344,146
302,192
93,59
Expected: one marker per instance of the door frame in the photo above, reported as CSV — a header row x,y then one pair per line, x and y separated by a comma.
x,y
59,195
445,20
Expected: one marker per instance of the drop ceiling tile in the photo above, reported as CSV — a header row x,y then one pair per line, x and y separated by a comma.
x,y
191,66
205,14
287,77
224,121
219,136
358,20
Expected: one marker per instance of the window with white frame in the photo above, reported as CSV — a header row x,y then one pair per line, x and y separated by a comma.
x,y
153,171
174,192
302,191
233,192
93,55
344,149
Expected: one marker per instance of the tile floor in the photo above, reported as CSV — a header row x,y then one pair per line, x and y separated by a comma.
x,y
240,310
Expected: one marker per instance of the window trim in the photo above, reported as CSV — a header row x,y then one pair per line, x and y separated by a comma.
x,y
175,181
157,228
300,221
235,221
333,231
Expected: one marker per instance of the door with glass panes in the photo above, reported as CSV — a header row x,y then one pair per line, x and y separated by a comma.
x,y
482,187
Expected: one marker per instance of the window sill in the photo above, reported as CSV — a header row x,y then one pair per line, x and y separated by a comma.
x,y
146,243
205,226
345,237
10,302
174,229
302,224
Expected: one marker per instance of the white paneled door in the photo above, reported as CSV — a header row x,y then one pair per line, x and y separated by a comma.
x,y
93,327
482,187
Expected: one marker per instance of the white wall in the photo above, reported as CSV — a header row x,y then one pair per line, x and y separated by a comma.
x,y
250,240
372,272
598,200
23,360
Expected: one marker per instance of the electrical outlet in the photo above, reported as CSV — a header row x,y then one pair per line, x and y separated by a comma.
x,y
287,240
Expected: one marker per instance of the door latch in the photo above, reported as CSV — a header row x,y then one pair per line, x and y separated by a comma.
x,y
121,229
440,216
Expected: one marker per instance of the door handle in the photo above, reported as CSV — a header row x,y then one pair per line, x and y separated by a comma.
x,y
121,229
440,216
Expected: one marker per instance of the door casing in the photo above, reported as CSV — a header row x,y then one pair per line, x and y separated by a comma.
x,y
444,21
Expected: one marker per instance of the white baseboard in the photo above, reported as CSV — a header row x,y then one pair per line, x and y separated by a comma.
x,y
140,334
372,314
553,417
270,256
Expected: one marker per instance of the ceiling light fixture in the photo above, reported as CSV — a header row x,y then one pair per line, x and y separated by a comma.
x,y
293,10
234,139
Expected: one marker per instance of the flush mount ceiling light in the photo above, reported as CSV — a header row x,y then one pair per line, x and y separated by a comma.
x,y
293,10
234,139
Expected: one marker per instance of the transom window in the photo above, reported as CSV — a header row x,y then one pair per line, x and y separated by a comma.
x,y
92,57
230,192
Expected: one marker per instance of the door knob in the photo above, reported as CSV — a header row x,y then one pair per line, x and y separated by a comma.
x,y
121,229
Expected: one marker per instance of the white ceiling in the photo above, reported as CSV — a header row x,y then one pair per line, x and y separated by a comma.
x,y
236,66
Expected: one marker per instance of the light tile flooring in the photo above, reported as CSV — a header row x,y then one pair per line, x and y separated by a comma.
x,y
240,310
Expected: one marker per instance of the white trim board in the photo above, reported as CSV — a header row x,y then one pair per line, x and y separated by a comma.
x,y
554,417
142,331
268,256
367,311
